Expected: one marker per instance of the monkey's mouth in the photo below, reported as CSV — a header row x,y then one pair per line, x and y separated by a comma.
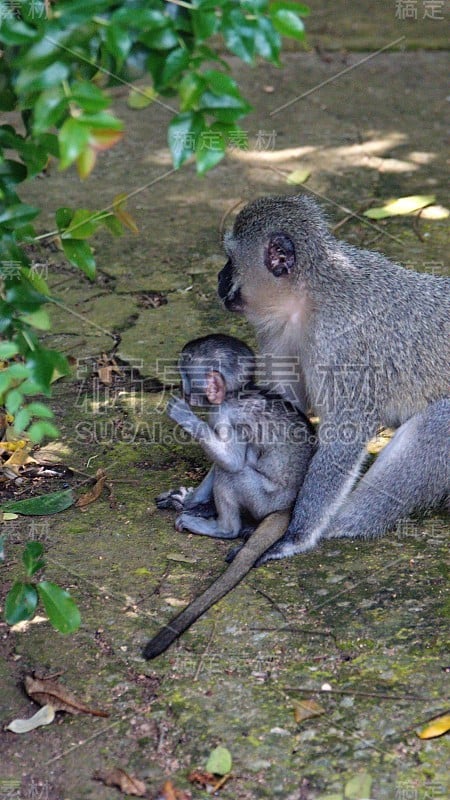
x,y
231,297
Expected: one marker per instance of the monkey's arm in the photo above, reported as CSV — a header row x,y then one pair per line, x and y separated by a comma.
x,y
227,454
269,530
333,472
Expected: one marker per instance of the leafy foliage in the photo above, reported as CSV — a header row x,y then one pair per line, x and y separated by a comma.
x,y
58,62
23,597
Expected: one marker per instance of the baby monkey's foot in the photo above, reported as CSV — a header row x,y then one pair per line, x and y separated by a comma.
x,y
174,498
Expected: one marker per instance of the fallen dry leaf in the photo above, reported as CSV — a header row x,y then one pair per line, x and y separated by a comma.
x,y
304,709
93,494
46,691
44,716
127,783
170,792
204,779
106,367
436,727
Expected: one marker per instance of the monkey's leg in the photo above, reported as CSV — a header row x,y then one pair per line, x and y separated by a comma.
x,y
411,473
332,473
205,527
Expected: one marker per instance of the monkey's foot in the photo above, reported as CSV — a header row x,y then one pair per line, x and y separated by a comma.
x,y
173,498
289,545
202,526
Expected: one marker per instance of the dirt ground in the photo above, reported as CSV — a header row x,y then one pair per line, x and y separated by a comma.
x,y
368,620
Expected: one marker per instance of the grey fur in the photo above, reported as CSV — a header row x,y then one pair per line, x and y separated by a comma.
x,y
252,439
372,339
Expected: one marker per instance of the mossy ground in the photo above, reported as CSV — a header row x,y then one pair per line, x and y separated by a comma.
x,y
366,618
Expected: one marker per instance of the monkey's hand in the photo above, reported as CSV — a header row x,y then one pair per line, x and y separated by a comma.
x,y
180,412
174,499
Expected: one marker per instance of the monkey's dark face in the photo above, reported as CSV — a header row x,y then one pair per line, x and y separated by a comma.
x,y
230,296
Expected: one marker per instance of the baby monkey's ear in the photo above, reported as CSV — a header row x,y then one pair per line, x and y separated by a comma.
x,y
215,388
280,255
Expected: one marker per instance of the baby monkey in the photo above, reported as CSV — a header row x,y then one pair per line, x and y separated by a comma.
x,y
259,444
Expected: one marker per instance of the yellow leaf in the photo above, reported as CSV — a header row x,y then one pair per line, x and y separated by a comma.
x,y
44,716
435,212
119,211
8,516
436,727
304,709
105,138
400,206
298,176
127,220
141,97
86,162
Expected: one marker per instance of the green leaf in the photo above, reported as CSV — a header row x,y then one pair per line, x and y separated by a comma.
x,y
162,39
183,135
12,172
288,23
73,139
101,120
36,281
358,788
21,420
32,557
14,400
60,607
37,409
210,150
19,213
205,24
42,364
290,5
49,109
267,40
113,224
80,254
13,30
219,761
21,602
176,62
37,319
24,297
35,80
238,34
8,350
89,97
82,225
400,206
39,430
118,43
63,217
190,89
43,505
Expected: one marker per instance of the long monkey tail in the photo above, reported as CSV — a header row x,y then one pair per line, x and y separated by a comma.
x,y
268,531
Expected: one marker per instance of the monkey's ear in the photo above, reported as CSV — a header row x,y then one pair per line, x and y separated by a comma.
x,y
280,255
215,388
